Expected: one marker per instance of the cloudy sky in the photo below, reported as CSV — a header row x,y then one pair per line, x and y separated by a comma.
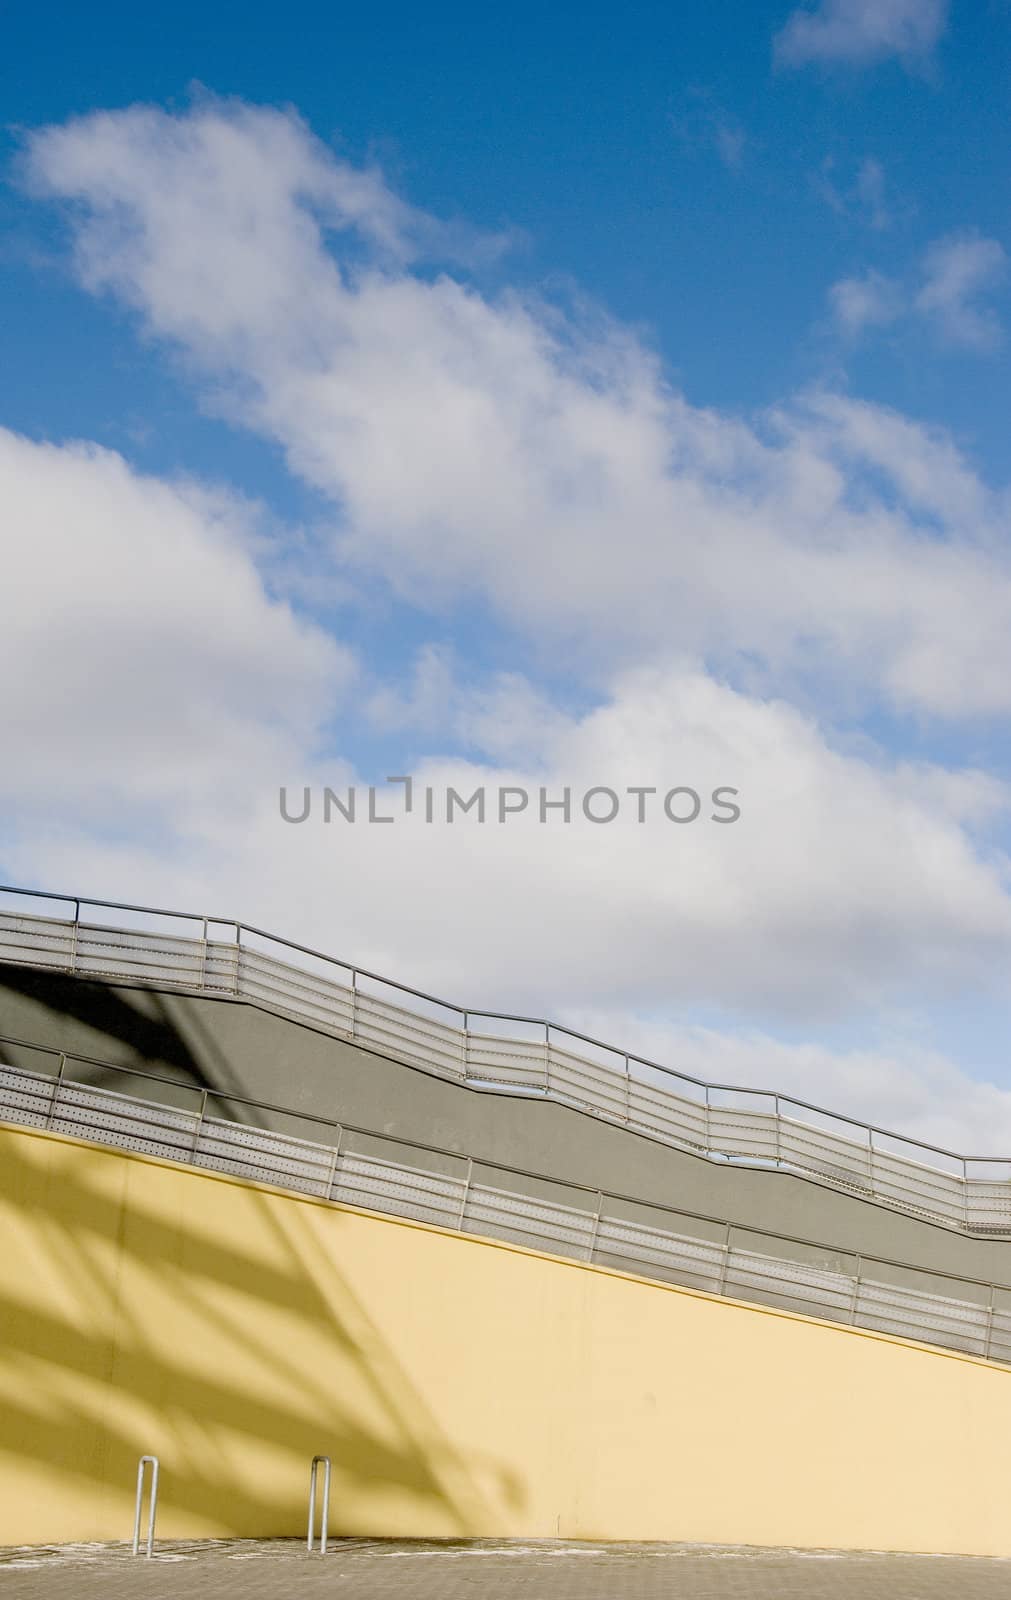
x,y
515,404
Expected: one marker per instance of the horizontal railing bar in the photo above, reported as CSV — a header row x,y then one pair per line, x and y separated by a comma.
x,y
664,1122
745,1135
945,1323
498,1166
499,1016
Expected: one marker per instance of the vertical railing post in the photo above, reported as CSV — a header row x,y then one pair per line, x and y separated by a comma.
x,y
201,1113
628,1092
354,1003
709,1131
466,1045
238,954
988,1341
144,1461
203,957
725,1265
965,1193
325,1514
54,1098
596,1226
870,1160
547,1058
335,1157
778,1126
855,1300
461,1219
74,936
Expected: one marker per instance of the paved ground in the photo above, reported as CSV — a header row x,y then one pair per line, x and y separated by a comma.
x,y
359,1569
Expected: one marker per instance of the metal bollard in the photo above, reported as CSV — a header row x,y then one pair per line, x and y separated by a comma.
x,y
153,1508
324,1520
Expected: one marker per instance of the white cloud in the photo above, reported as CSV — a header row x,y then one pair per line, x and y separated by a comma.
x,y
152,670
703,124
425,704
494,447
925,466
730,141
603,930
956,271
858,32
869,301
870,191
846,886
864,198
845,883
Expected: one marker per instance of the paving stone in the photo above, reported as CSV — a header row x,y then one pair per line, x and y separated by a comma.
x,y
362,1569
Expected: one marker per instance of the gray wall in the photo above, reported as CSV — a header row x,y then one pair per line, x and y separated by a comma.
x,y
233,1048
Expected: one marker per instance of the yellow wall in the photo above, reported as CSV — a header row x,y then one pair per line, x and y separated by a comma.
x,y
460,1387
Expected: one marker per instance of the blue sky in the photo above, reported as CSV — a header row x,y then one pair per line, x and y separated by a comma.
x,y
599,144
519,396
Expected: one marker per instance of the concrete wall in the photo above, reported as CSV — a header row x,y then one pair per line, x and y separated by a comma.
x,y
461,1387
235,1048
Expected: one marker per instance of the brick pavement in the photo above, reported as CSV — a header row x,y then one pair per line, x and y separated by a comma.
x,y
357,1569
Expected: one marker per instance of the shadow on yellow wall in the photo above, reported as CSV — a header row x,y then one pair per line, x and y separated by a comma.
x,y
461,1387
136,1317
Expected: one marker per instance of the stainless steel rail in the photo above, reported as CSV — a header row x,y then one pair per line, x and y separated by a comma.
x,y
510,1054
424,1183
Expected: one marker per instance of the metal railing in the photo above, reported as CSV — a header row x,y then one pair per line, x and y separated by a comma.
x,y
510,1054
467,1195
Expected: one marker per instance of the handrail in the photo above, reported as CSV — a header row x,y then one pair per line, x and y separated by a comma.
x,y
470,1161
600,1234
467,1013
775,1132
781,1136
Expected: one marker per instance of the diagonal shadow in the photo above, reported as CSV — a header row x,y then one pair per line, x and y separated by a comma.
x,y
109,1259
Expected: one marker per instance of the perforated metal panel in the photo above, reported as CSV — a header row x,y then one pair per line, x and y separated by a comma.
x,y
304,1167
